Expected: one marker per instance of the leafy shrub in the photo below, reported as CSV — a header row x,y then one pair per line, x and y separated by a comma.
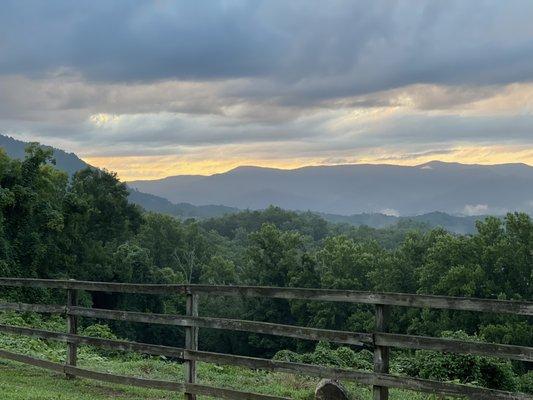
x,y
518,333
12,318
324,355
484,371
103,331
287,356
525,383
29,319
54,351
100,331
49,349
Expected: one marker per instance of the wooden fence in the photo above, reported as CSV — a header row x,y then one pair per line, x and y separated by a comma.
x,y
380,340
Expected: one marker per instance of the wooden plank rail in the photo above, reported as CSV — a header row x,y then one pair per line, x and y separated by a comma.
x,y
348,296
520,353
39,308
298,332
380,340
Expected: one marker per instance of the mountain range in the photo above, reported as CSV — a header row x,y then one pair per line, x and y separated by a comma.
x,y
373,195
452,188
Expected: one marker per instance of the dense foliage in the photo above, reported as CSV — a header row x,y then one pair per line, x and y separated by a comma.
x,y
485,371
53,226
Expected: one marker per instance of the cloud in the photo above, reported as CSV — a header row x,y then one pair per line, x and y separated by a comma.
x,y
391,212
302,47
366,81
323,135
136,40
476,209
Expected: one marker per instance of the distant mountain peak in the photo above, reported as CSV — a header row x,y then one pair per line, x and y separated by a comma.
x,y
443,164
68,162
250,168
440,165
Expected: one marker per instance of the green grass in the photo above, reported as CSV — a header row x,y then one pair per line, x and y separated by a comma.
x,y
21,382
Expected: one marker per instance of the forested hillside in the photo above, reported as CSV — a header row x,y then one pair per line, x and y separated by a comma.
x,y
83,227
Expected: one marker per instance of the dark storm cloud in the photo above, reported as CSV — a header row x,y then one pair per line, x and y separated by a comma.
x,y
301,49
135,40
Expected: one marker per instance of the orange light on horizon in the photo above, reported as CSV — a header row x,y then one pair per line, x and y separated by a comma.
x,y
155,167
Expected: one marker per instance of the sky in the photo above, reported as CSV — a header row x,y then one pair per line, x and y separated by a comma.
x,y
157,88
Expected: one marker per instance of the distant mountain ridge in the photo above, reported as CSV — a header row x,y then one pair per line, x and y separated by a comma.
x,y
183,210
452,188
452,223
70,163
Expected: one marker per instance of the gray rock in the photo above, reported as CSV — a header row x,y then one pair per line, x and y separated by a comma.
x,y
329,389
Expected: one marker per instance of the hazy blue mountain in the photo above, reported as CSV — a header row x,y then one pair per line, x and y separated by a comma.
x,y
354,189
375,220
462,224
183,210
70,163
452,223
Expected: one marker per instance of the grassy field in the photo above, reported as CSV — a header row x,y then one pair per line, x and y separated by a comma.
x,y
20,382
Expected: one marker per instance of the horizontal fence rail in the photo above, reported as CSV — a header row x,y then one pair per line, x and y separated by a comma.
x,y
380,340
520,353
333,295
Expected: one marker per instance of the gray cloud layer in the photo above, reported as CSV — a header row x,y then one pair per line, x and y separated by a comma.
x,y
203,73
310,45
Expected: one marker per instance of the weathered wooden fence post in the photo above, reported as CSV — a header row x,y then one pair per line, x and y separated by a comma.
x,y
381,353
72,328
191,342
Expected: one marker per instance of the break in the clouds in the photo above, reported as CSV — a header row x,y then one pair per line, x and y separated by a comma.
x,y
202,86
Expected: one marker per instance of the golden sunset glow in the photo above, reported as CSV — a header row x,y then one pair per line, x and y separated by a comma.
x,y
155,167
134,168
